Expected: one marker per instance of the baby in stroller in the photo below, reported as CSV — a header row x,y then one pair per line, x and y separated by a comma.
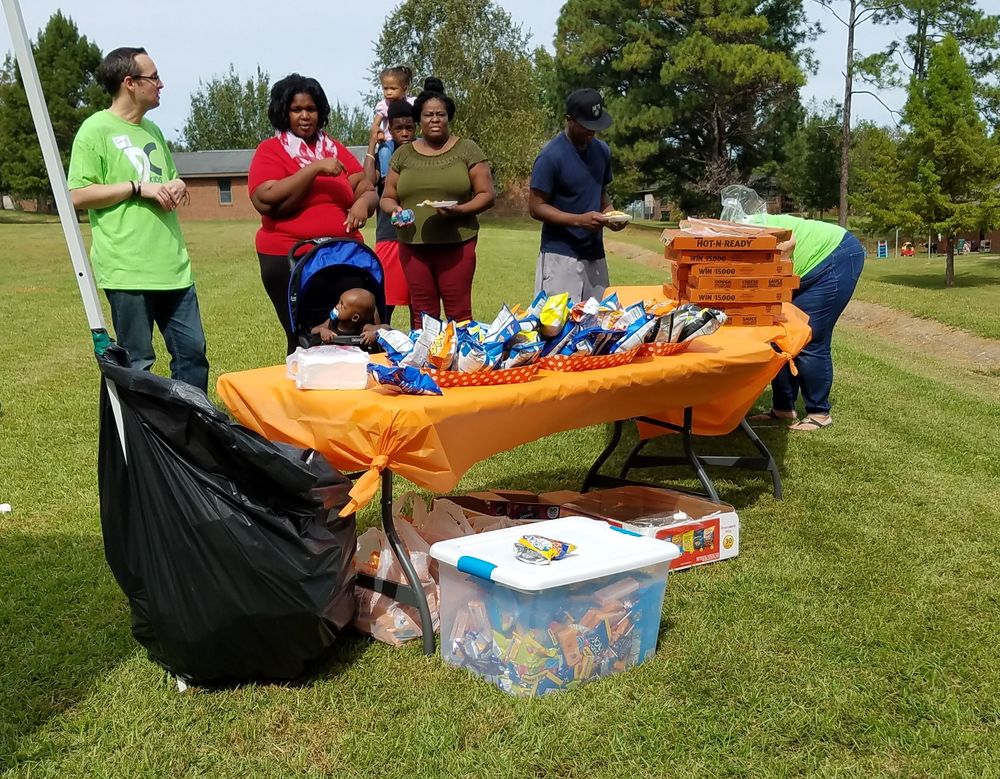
x,y
356,313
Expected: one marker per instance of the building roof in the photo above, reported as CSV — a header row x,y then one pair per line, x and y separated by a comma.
x,y
227,162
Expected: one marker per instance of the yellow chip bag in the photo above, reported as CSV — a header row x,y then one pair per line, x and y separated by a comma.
x,y
553,315
442,352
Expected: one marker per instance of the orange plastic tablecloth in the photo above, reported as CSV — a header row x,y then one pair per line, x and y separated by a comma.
x,y
434,440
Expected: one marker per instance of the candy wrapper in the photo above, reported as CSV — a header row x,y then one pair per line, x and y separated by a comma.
x,y
539,550
403,218
405,379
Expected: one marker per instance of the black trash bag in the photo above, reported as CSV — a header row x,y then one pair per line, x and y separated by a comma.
x,y
229,547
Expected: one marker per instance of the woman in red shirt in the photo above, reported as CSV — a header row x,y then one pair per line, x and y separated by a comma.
x,y
304,183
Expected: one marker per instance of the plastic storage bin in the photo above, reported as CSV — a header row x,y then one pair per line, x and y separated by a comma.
x,y
534,629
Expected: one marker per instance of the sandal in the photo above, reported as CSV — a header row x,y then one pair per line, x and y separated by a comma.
x,y
772,416
811,423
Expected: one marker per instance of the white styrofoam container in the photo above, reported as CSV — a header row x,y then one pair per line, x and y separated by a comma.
x,y
328,367
534,629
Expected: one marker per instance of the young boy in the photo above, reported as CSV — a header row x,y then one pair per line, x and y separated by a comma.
x,y
355,314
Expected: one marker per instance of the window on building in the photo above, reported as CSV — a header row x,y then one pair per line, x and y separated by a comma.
x,y
225,192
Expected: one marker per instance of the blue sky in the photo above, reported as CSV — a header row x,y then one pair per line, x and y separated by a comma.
x,y
190,40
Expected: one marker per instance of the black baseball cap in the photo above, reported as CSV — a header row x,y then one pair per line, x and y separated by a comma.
x,y
586,107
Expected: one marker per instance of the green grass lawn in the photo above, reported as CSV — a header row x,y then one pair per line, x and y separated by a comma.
x,y
916,285
855,635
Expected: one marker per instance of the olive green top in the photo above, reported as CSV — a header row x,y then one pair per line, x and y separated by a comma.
x,y
441,177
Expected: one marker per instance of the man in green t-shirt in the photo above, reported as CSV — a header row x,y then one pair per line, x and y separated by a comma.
x,y
122,172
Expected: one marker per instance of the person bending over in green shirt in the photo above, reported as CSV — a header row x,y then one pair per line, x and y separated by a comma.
x,y
829,261
122,172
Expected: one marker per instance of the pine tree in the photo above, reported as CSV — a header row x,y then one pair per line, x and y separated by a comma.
x,y
943,177
698,88
811,172
66,64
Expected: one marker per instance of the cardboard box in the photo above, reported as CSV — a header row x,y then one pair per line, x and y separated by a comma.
x,y
743,282
716,257
515,504
753,309
718,297
750,320
736,269
710,533
679,240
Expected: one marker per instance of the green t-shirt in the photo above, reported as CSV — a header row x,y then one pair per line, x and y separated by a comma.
x,y
136,244
442,177
814,240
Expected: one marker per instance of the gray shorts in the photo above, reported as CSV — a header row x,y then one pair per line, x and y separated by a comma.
x,y
582,279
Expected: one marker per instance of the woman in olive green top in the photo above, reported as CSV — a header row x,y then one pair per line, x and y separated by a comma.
x,y
438,249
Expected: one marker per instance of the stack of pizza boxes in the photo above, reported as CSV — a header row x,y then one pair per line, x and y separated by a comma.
x,y
733,267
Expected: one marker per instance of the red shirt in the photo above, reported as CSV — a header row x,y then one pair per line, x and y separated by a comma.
x,y
322,211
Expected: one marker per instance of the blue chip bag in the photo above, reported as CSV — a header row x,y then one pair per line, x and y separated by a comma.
x,y
396,344
408,380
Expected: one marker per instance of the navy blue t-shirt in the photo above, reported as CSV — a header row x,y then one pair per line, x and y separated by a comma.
x,y
574,180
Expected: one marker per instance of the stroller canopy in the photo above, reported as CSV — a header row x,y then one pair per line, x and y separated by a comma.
x,y
330,268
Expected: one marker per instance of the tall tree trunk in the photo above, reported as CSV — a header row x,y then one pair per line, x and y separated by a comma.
x,y
845,141
949,263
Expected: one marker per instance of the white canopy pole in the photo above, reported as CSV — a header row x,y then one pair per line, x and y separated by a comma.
x,y
57,178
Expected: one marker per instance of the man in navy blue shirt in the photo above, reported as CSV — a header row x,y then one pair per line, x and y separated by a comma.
x,y
569,195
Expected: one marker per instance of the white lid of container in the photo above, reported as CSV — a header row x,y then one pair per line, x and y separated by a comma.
x,y
601,550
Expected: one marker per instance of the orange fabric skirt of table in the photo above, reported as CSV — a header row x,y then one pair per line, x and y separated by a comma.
x,y
434,440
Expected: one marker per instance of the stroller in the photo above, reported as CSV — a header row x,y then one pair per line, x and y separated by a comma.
x,y
321,275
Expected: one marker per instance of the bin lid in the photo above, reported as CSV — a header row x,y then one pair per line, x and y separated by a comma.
x,y
601,550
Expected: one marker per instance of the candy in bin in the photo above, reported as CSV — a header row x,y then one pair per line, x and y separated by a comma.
x,y
499,623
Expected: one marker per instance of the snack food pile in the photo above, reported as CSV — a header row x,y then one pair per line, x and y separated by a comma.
x,y
533,644
551,325
734,267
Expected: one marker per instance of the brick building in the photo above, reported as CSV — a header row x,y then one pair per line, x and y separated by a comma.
x,y
217,183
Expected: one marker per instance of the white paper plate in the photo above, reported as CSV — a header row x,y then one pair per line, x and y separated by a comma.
x,y
620,219
439,203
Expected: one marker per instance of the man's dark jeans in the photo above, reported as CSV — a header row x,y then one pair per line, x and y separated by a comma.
x,y
177,316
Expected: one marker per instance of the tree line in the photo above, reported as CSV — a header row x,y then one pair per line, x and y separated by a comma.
x,y
703,94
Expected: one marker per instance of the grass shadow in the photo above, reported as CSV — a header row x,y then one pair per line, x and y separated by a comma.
x,y
64,623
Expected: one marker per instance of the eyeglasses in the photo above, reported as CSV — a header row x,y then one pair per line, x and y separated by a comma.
x,y
155,78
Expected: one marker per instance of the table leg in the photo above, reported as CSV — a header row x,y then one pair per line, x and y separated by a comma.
x,y
772,466
426,622
593,473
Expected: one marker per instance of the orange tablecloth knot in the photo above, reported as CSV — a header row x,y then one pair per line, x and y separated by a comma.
x,y
365,488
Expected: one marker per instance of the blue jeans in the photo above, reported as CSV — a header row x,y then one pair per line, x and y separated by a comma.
x,y
823,295
177,316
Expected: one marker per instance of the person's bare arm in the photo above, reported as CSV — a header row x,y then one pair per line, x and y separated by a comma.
x,y
281,197
483,194
365,201
99,196
390,199
540,209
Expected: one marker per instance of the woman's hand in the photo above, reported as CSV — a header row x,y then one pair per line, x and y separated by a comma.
x,y
358,215
450,212
329,166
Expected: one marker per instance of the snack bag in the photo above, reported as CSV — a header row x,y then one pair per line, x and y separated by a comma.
x,y
471,356
634,336
442,351
504,327
709,320
523,352
431,329
396,344
553,315
405,379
